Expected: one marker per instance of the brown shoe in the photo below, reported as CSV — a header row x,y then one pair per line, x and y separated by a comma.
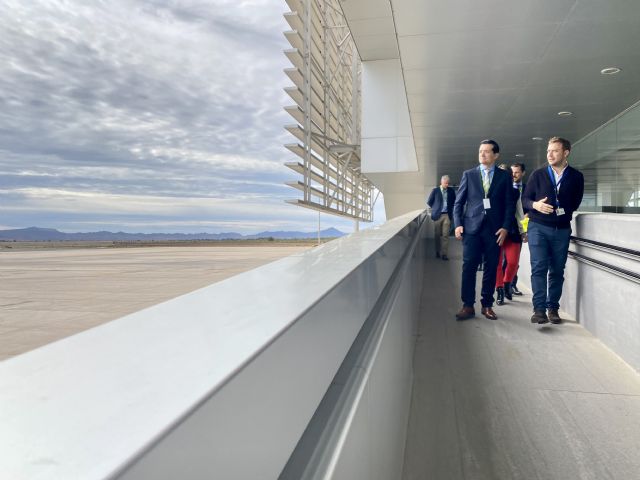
x,y
553,316
539,316
489,313
465,312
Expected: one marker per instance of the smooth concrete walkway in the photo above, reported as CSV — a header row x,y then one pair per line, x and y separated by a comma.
x,y
47,295
507,399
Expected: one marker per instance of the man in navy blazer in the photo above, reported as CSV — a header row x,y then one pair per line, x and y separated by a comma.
x,y
482,213
441,201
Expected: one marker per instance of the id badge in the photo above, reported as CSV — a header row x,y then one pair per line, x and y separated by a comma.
x,y
559,211
487,203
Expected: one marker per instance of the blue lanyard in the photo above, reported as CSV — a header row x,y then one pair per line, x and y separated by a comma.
x,y
556,186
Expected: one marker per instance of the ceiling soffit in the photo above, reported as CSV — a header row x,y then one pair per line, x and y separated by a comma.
x,y
475,70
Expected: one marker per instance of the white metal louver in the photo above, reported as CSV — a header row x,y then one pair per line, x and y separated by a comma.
x,y
325,74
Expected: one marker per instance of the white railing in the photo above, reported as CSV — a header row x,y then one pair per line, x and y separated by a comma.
x,y
219,383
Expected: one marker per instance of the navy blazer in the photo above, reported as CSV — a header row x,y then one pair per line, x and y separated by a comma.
x,y
471,195
435,202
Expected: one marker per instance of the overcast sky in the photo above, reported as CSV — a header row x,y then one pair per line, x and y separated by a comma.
x,y
147,116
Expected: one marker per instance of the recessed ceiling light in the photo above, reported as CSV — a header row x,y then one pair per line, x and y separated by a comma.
x,y
610,71
565,114
536,139
519,155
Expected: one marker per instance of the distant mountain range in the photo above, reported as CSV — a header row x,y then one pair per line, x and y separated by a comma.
x,y
35,234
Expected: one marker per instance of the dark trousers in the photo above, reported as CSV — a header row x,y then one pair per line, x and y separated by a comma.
x,y
475,245
548,248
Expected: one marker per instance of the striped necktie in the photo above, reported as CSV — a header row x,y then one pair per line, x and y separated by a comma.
x,y
486,183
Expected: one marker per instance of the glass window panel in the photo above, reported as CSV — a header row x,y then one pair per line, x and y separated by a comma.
x,y
610,162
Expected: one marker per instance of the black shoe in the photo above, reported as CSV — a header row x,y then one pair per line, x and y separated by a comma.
x,y
437,255
539,316
508,293
515,290
444,257
500,291
553,315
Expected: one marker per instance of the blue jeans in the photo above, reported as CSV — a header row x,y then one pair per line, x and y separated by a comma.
x,y
548,247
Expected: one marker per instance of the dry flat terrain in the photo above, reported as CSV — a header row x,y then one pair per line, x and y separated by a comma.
x,y
49,292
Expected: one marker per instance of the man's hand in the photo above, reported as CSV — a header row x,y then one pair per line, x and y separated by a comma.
x,y
542,206
501,234
459,231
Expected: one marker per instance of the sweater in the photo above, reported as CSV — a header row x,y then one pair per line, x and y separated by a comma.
x,y
570,194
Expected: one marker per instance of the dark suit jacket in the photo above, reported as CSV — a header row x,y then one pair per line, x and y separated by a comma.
x,y
435,202
514,230
470,195
524,187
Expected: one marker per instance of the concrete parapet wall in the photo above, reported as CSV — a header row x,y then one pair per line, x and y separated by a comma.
x,y
222,382
605,303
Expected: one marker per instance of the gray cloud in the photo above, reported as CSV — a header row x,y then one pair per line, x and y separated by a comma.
x,y
175,101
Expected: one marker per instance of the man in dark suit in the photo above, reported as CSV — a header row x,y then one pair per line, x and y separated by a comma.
x,y
482,213
510,249
441,201
518,171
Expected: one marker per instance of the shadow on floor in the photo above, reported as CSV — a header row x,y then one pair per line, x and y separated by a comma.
x,y
508,399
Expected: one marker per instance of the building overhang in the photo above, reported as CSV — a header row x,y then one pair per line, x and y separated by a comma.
x,y
474,70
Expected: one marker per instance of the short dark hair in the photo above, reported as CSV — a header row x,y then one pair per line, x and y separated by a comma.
x,y
566,144
519,165
494,145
